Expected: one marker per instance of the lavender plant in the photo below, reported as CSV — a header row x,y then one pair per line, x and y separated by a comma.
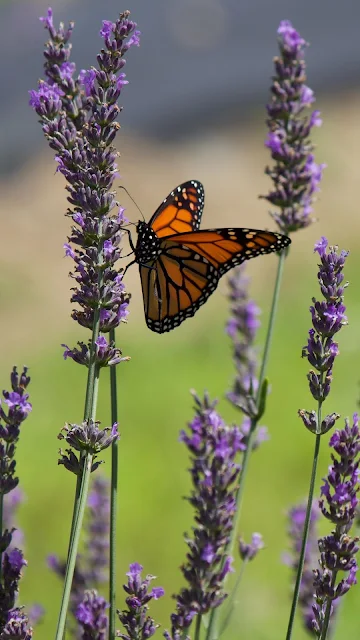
x,y
78,118
13,622
338,504
328,318
295,177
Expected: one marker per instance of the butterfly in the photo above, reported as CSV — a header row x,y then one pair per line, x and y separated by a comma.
x,y
181,265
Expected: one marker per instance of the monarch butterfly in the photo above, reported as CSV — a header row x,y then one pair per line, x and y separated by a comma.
x,y
180,266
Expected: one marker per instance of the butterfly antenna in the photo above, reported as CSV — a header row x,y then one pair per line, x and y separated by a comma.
x,y
132,199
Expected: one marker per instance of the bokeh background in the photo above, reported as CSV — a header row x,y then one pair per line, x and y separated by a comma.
x,y
194,108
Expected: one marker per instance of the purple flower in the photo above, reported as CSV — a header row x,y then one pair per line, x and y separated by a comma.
x,y
135,620
79,120
18,408
295,174
16,626
91,616
242,327
86,437
249,551
97,532
328,317
213,447
338,504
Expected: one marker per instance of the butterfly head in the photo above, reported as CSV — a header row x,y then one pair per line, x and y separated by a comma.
x,y
148,246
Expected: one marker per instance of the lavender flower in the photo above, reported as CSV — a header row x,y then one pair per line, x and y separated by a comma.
x,y
10,423
85,438
91,616
78,118
338,504
135,619
328,317
16,627
213,447
306,595
249,551
97,530
295,176
241,327
12,565
11,558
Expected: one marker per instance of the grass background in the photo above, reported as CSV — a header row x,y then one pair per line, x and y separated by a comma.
x,y
154,399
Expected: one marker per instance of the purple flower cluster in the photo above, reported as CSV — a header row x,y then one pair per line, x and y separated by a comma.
x,y
18,408
11,558
338,504
135,620
241,327
91,616
16,626
97,532
213,447
295,174
296,529
87,438
78,117
328,317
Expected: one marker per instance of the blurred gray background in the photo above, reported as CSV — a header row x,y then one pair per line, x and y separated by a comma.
x,y
203,63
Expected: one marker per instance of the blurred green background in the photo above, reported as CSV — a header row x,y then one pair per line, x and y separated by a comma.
x,y
154,398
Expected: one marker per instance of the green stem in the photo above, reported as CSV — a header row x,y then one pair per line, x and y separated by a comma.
x,y
113,500
70,567
198,627
245,462
306,525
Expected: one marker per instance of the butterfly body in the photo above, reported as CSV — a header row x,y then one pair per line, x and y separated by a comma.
x,y
181,265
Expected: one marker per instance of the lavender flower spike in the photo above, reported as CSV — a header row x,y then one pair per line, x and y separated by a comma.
x,y
338,504
295,174
328,317
213,447
241,327
135,620
91,616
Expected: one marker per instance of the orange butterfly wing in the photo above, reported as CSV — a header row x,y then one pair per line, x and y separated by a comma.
x,y
181,211
189,269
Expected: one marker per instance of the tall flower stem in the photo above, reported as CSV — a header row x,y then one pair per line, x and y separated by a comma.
x,y
113,500
82,484
305,532
213,620
70,567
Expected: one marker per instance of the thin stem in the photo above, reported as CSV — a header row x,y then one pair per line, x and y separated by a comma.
x,y
113,500
198,627
325,625
245,462
70,567
306,527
